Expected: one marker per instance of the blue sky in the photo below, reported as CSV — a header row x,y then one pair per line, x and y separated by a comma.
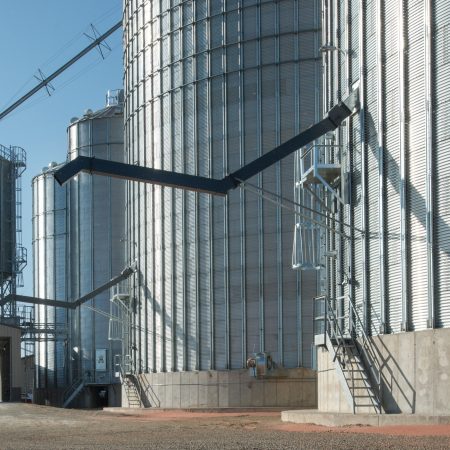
x,y
44,35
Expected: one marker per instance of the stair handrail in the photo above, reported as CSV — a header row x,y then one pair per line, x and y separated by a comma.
x,y
335,331
333,324
127,374
147,390
370,355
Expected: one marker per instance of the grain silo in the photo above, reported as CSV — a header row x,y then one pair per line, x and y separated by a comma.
x,y
388,259
79,243
209,87
96,227
49,267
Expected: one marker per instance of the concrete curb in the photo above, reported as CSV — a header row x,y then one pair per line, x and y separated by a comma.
x,y
344,419
134,411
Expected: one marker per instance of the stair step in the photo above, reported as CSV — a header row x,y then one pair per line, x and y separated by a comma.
x,y
350,377
354,370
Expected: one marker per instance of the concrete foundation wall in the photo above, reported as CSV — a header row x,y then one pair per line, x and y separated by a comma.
x,y
331,397
415,368
235,388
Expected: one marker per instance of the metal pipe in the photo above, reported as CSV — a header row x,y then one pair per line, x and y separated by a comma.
x,y
226,219
211,233
279,227
429,160
348,141
380,145
242,201
362,123
260,207
402,166
299,284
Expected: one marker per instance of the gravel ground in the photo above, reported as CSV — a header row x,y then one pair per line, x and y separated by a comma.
x,y
25,426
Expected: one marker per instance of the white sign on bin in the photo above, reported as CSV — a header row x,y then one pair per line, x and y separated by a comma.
x,y
100,359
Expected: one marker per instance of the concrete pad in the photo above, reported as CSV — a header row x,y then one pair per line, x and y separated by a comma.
x,y
144,411
344,419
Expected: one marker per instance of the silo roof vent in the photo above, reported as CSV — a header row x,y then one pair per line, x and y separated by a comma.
x,y
114,97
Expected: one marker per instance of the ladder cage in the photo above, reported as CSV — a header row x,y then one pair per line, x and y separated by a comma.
x,y
317,174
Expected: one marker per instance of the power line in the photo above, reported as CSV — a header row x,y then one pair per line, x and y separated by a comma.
x,y
47,80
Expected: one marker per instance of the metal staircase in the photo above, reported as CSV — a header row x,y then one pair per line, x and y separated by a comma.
x,y
72,392
124,368
131,391
356,364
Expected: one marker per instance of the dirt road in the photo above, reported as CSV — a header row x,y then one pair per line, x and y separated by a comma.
x,y
24,426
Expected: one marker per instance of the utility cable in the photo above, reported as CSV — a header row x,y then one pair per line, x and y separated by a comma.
x,y
280,199
59,52
56,73
279,203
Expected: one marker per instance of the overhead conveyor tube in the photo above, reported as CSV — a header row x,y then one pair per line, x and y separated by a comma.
x,y
70,304
332,120
138,173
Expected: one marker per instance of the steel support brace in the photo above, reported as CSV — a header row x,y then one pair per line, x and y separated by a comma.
x,y
69,304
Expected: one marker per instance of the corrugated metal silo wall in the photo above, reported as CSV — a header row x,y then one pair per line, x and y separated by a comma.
x,y
210,86
399,53
96,208
49,275
7,219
